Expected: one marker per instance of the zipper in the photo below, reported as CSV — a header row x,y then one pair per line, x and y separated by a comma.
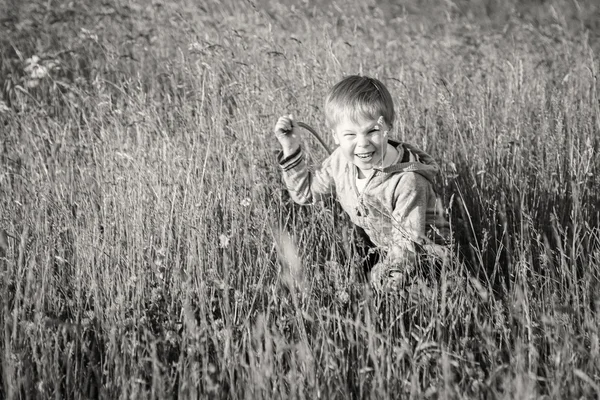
x,y
361,206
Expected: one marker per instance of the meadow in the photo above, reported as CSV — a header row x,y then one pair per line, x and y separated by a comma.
x,y
149,249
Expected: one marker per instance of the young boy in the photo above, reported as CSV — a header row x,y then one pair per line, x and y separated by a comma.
x,y
384,186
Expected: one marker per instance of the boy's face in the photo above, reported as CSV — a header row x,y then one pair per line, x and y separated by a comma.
x,y
363,142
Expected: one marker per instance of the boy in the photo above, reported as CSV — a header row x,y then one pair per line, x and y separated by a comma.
x,y
384,186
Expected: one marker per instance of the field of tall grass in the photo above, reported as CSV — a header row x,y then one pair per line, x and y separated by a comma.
x,y
148,248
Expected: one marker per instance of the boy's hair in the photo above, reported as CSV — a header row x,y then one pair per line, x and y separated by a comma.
x,y
357,97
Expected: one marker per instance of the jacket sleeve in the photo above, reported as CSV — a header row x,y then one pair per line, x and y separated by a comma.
x,y
409,218
306,185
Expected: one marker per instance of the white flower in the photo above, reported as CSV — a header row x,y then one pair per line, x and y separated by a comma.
x,y
195,47
87,34
33,60
245,202
342,296
223,241
35,70
39,72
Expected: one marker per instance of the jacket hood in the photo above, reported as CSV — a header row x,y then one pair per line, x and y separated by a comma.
x,y
413,159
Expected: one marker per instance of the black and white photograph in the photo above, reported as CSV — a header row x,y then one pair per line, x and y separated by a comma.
x,y
310,199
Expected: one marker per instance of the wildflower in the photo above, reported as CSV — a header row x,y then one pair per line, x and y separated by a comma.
x,y
223,241
86,34
39,72
33,60
34,69
195,47
342,296
245,202
238,297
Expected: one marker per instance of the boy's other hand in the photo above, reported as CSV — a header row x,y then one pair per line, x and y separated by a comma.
x,y
384,277
285,132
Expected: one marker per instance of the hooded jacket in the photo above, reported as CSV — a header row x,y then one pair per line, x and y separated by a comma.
x,y
398,208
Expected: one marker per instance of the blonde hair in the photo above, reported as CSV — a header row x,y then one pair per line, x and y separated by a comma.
x,y
357,97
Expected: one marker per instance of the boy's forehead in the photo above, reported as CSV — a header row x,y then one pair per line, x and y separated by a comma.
x,y
356,122
356,116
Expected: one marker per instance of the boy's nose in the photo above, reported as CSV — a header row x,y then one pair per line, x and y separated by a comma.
x,y
363,141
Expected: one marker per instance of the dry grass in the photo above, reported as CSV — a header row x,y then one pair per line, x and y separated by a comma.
x,y
148,248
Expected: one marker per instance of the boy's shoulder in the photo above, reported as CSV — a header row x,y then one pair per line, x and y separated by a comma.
x,y
412,166
411,159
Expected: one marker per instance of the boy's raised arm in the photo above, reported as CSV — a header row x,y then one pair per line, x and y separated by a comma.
x,y
304,185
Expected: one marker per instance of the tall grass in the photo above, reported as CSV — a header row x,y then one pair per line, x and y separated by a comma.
x,y
148,248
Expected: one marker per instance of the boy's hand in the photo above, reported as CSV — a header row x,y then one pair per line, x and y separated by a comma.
x,y
285,132
386,278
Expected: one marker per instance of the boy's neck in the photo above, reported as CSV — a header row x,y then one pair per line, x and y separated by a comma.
x,y
364,174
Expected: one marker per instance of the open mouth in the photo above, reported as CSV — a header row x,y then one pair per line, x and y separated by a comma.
x,y
365,156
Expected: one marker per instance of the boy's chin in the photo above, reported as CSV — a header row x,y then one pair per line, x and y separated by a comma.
x,y
363,166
